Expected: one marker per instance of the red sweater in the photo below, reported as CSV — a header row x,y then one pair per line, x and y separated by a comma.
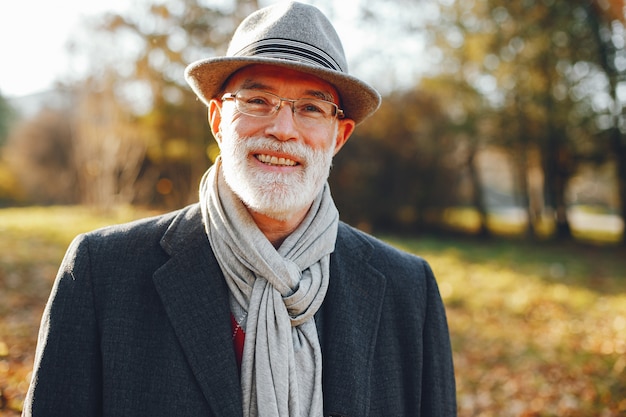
x,y
238,338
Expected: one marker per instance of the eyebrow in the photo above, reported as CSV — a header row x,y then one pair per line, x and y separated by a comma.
x,y
255,85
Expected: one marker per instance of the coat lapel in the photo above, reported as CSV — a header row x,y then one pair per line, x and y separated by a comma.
x,y
350,321
195,296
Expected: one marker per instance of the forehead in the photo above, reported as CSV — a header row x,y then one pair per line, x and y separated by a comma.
x,y
282,81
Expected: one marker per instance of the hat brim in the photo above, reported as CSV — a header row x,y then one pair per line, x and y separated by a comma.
x,y
207,77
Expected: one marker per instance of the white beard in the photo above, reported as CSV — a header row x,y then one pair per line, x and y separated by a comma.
x,y
276,195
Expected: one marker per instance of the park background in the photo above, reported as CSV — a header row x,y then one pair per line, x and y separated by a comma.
x,y
499,154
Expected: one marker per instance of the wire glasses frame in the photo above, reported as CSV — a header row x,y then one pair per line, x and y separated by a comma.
x,y
262,104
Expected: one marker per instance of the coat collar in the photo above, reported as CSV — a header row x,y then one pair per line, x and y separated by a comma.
x,y
195,296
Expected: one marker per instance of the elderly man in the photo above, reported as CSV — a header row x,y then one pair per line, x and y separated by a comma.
x,y
257,301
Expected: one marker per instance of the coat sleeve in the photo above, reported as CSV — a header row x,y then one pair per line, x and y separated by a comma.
x,y
67,374
438,388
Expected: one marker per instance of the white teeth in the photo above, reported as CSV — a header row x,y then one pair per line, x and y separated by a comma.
x,y
272,160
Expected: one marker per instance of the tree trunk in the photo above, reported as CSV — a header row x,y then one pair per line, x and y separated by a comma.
x,y
555,165
520,163
478,199
618,145
555,182
607,52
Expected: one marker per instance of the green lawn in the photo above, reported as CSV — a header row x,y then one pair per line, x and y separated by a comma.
x,y
537,329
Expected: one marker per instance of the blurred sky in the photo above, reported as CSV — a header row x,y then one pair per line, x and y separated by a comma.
x,y
33,35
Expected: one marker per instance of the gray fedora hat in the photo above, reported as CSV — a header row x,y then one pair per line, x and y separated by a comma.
x,y
291,35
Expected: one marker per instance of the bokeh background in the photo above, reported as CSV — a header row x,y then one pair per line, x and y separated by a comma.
x,y
499,154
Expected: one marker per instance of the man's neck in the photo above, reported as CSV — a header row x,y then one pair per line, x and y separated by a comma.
x,y
276,231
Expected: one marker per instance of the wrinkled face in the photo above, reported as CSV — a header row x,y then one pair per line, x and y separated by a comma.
x,y
277,164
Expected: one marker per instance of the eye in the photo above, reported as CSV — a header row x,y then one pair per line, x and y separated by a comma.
x,y
311,108
257,101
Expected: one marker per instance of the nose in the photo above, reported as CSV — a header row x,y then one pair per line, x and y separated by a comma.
x,y
283,125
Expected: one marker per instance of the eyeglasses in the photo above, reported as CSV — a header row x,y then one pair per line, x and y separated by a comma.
x,y
307,111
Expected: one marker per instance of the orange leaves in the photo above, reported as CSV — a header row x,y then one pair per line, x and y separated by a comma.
x,y
528,341
611,9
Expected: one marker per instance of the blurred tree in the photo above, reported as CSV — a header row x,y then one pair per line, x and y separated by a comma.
x,y
409,161
535,63
608,22
108,147
398,172
40,154
566,45
533,52
7,118
10,191
148,83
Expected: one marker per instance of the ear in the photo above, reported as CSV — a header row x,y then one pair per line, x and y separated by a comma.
x,y
215,119
344,130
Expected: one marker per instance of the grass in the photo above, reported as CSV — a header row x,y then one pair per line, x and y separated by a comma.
x,y
537,329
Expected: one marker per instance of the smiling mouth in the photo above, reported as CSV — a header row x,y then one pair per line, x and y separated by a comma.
x,y
275,161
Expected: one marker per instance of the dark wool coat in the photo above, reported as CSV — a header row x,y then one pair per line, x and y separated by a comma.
x,y
138,324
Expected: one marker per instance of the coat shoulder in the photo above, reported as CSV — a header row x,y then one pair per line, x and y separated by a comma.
x,y
157,224
380,254
140,242
146,229
407,276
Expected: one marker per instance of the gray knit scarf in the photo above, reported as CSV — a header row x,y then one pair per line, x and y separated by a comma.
x,y
278,292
